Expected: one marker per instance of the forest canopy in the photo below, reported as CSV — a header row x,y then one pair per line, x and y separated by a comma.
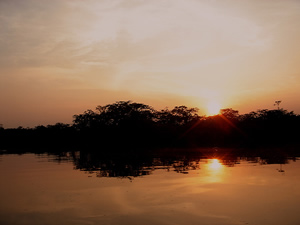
x,y
131,124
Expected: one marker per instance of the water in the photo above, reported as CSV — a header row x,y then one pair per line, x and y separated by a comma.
x,y
83,189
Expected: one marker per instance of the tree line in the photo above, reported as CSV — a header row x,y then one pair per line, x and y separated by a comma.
x,y
126,124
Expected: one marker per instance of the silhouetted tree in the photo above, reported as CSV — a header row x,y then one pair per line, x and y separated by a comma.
x,y
277,103
125,111
86,120
179,115
126,123
230,114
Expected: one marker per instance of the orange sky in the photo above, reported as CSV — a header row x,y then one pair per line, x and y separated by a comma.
x,y
61,57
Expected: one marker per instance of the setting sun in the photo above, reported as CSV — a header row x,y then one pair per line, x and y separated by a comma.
x,y
213,108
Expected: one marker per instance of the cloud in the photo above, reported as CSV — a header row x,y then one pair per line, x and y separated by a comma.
x,y
172,47
60,30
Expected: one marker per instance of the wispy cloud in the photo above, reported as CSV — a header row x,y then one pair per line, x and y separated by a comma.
x,y
175,47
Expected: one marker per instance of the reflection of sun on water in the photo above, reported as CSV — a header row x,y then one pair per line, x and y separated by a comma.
x,y
214,164
215,171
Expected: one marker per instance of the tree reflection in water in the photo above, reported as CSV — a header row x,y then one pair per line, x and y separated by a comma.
x,y
135,164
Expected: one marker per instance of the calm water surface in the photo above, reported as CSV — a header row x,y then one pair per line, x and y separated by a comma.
x,y
46,189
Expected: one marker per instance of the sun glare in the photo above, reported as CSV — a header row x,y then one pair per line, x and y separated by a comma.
x,y
213,108
215,164
215,170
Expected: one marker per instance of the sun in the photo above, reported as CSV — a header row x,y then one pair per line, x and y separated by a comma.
x,y
213,108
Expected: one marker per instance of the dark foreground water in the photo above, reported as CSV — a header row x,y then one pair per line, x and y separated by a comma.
x,y
82,189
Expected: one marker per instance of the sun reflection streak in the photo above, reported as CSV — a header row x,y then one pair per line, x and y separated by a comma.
x,y
215,165
215,171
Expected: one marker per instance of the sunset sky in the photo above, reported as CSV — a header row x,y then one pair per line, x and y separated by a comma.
x,y
61,57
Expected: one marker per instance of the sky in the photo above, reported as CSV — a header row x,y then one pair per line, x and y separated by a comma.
x,y
61,57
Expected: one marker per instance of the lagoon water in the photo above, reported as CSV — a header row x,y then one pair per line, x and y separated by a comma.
x,y
50,189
